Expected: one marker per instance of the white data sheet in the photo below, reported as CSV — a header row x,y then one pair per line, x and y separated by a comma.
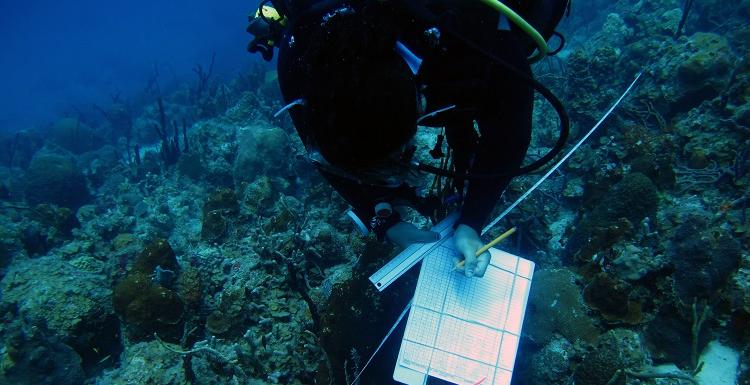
x,y
465,330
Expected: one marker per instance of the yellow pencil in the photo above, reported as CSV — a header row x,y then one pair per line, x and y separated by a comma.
x,y
460,264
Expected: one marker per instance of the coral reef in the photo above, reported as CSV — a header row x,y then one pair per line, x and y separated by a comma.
x,y
703,259
255,145
17,150
220,204
618,349
628,202
30,357
737,298
71,304
611,297
75,136
55,178
137,364
556,307
553,363
633,263
141,298
701,70
671,336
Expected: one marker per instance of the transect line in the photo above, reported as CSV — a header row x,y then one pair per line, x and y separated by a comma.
x,y
564,158
395,325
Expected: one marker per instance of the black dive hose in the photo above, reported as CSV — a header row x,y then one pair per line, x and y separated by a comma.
x,y
428,17
560,47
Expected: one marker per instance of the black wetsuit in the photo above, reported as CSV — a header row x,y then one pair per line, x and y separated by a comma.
x,y
452,73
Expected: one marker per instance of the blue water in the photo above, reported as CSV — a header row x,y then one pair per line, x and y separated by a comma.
x,y
63,55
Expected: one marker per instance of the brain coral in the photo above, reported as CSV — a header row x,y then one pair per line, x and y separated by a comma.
x,y
556,307
55,178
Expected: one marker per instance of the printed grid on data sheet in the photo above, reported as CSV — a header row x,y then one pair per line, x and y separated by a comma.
x,y
466,330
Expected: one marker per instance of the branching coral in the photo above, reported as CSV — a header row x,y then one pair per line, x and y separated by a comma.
x,y
170,146
691,179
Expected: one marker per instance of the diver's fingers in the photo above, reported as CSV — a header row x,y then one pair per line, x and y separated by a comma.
x,y
470,264
482,262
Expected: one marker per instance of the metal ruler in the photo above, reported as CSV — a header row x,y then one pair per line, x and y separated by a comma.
x,y
401,263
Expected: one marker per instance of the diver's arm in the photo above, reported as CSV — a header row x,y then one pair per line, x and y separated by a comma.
x,y
505,134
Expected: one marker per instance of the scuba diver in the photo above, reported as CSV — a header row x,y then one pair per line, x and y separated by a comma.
x,y
359,76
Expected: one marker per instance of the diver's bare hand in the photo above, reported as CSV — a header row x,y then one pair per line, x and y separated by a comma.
x,y
468,243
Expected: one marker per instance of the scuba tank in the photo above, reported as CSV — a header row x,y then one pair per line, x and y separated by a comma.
x,y
304,16
355,97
